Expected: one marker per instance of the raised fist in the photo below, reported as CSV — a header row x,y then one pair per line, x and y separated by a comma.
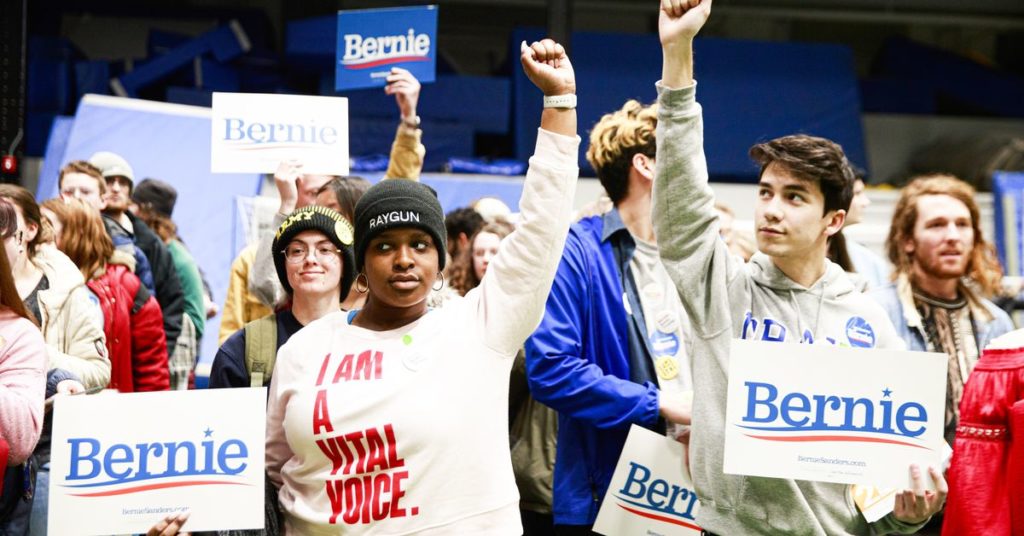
x,y
680,20
547,66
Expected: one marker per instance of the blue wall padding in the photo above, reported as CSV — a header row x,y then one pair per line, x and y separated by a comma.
x,y
57,141
751,91
317,36
37,130
217,76
1008,200
481,102
968,84
897,95
49,85
190,95
91,77
221,42
170,143
461,191
442,140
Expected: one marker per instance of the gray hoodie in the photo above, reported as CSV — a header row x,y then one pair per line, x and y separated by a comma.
x,y
727,298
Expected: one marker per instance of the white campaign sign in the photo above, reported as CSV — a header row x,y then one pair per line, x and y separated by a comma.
x,y
650,492
832,414
254,132
122,462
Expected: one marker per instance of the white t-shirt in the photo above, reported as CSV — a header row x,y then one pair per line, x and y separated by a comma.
x,y
406,431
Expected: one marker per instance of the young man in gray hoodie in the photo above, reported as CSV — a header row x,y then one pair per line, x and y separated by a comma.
x,y
788,292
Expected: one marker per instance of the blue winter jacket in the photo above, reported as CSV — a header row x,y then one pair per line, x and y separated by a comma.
x,y
590,361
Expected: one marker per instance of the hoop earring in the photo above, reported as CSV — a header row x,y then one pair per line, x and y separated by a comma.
x,y
366,285
438,288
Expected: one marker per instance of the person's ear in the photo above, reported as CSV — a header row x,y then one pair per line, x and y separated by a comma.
x,y
908,246
644,165
31,230
836,219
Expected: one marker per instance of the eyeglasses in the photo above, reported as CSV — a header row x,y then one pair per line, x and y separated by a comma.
x,y
298,254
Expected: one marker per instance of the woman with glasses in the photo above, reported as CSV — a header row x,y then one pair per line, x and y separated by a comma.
x,y
313,257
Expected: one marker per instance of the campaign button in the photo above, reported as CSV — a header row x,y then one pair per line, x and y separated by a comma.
x,y
667,367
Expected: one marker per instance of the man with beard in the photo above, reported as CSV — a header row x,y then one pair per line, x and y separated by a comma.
x,y
944,267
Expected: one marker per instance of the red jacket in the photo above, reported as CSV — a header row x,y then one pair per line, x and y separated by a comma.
x,y
134,327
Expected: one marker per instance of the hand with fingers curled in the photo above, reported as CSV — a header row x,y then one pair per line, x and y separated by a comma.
x,y
170,525
914,506
406,89
680,20
547,65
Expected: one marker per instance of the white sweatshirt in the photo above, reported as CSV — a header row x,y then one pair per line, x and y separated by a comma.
x,y
406,431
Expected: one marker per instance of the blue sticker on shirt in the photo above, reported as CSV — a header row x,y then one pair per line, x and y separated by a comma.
x,y
664,343
860,333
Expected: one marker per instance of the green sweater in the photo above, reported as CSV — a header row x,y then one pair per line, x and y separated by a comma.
x,y
191,284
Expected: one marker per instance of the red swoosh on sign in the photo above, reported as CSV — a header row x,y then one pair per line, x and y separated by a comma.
x,y
149,487
385,61
659,518
838,438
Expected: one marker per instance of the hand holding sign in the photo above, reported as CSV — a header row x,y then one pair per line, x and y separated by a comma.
x,y
547,65
406,89
169,526
916,505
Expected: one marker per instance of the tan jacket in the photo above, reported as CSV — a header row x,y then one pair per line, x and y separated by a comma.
x,y
71,320
240,306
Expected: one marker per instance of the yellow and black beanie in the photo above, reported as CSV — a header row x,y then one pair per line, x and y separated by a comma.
x,y
314,218
395,203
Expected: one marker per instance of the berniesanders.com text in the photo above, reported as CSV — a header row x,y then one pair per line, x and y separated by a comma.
x,y
830,461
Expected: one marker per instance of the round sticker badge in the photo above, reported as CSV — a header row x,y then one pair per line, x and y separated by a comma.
x,y
667,321
667,367
860,333
664,343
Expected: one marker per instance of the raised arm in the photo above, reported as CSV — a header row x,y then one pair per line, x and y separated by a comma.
x,y
511,296
407,152
685,221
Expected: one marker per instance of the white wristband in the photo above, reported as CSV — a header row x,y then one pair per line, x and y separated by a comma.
x,y
560,101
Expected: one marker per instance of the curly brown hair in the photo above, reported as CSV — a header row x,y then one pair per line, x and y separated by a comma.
x,y
615,139
463,275
982,266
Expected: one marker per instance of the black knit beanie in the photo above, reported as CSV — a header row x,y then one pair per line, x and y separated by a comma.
x,y
314,218
394,203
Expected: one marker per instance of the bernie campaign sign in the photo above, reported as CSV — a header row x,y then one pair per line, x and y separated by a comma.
x,y
255,132
156,454
650,491
833,414
372,41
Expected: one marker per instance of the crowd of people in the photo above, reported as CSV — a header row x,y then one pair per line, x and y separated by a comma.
x,y
501,361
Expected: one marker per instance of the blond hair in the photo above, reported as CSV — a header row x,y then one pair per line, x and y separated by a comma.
x,y
615,139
